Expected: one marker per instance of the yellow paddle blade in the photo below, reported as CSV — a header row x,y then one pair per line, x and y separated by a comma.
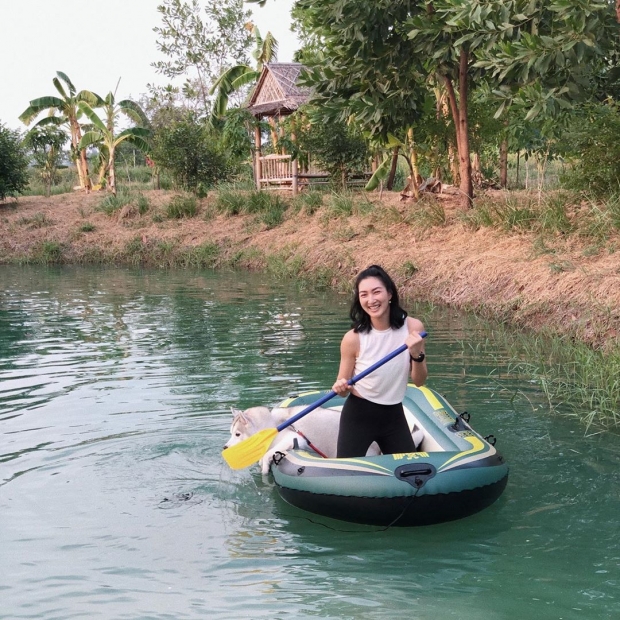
x,y
250,450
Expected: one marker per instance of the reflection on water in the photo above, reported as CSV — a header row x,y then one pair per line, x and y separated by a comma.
x,y
115,393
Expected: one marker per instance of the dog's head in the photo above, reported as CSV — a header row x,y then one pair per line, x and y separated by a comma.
x,y
247,423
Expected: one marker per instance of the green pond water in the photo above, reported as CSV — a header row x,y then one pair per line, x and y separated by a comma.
x,y
115,396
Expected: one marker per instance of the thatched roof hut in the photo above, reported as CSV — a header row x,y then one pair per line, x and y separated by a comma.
x,y
276,92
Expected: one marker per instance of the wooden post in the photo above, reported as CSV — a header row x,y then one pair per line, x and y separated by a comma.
x,y
295,170
295,167
257,153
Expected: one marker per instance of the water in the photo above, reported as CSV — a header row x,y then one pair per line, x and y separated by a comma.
x,y
115,396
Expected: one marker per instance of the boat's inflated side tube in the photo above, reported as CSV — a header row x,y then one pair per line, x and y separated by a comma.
x,y
461,475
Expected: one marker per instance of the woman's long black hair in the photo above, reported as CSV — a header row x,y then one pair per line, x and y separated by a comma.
x,y
360,318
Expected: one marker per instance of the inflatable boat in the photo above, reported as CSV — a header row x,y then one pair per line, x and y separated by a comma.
x,y
453,474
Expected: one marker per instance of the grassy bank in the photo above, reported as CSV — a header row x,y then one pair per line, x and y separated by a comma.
x,y
549,265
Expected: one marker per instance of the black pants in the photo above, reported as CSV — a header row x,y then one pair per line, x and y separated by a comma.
x,y
363,422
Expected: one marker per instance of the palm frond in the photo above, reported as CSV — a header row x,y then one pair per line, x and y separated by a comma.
x,y
65,78
92,116
133,110
90,138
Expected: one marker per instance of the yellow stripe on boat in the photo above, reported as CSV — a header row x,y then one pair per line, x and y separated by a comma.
x,y
477,445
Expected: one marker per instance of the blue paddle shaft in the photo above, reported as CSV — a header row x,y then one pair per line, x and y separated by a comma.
x,y
351,381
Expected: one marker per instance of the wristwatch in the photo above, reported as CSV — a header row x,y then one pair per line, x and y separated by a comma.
x,y
418,359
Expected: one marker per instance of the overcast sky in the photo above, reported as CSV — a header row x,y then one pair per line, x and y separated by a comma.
x,y
95,42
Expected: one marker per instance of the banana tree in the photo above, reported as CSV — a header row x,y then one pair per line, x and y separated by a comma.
x,y
238,76
103,134
69,113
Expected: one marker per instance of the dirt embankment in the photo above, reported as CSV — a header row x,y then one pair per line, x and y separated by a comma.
x,y
570,289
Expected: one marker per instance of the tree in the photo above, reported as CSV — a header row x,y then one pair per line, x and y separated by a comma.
x,y
237,77
45,144
13,163
523,49
67,107
189,150
104,136
202,47
337,148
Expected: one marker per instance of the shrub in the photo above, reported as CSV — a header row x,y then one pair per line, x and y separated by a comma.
x,y
13,163
595,146
192,154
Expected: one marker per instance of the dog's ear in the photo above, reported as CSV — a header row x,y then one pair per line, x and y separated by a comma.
x,y
239,415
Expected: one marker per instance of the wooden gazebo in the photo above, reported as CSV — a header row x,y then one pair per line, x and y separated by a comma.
x,y
275,95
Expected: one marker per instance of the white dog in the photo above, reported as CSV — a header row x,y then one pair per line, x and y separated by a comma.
x,y
319,427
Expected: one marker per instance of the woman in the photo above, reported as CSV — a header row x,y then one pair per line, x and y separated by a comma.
x,y
373,410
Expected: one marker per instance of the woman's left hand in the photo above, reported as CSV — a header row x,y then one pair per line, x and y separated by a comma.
x,y
415,344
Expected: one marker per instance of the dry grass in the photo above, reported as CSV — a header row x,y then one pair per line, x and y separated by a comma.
x,y
561,283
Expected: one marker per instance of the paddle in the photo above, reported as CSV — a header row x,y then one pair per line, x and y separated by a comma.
x,y
253,448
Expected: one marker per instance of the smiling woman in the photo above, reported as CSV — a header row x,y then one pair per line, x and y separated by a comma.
x,y
373,410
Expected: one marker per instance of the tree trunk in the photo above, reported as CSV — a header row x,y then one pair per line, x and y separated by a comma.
x,y
503,164
112,171
84,162
390,180
413,158
75,154
618,10
466,186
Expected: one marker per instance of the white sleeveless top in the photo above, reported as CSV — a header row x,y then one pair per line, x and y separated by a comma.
x,y
388,383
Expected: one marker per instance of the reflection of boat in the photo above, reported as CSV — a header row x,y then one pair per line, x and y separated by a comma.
x,y
455,473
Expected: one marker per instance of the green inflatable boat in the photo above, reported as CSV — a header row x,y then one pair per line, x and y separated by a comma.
x,y
454,473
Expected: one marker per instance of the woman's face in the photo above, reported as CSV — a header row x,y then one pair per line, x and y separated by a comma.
x,y
374,297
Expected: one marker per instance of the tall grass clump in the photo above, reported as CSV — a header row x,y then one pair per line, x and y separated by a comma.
x,y
205,256
48,253
230,202
340,204
580,378
181,206
308,202
110,204
428,213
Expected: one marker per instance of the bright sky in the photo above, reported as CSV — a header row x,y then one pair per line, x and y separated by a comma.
x,y
95,42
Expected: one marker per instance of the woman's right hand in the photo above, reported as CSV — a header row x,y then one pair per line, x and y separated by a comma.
x,y
341,387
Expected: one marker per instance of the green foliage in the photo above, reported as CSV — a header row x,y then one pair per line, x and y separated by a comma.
x,y
575,375
337,148
48,252
13,163
193,43
230,202
45,144
205,256
593,141
65,180
341,204
182,206
237,77
111,203
310,202
143,204
192,154
64,111
87,227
